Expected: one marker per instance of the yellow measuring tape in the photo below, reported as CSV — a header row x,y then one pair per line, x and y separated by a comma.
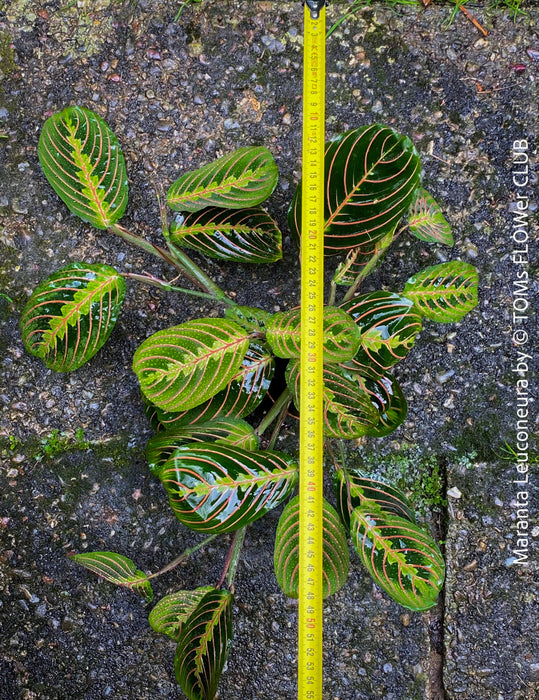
x,y
311,404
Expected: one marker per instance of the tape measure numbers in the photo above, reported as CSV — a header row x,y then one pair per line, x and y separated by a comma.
x,y
311,388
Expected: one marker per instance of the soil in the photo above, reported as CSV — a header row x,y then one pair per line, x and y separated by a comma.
x,y
177,95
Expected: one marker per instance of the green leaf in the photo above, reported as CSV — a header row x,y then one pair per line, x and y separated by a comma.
x,y
83,161
238,399
248,317
183,366
215,488
444,293
426,221
238,180
203,646
353,489
371,174
349,411
174,610
360,262
286,556
117,569
223,431
388,324
341,334
387,397
245,236
71,314
401,558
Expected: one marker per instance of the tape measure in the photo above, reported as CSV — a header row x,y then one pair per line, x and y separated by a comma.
x,y
311,387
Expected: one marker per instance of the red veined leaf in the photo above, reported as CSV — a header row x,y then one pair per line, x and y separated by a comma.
x,y
354,489
286,554
71,314
216,488
238,399
183,366
371,174
117,569
401,558
203,645
426,221
362,261
387,397
245,236
389,324
83,161
223,431
174,610
444,293
238,180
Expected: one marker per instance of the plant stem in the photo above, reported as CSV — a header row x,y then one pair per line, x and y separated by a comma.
x,y
278,425
332,293
165,286
140,242
233,558
193,271
379,251
176,562
274,412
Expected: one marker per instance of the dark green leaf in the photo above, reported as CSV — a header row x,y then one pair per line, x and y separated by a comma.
x,y
204,645
71,314
388,398
173,611
389,324
183,366
238,399
215,488
349,411
341,334
444,293
83,161
245,236
223,431
371,174
238,180
426,220
353,489
286,555
248,317
117,569
401,558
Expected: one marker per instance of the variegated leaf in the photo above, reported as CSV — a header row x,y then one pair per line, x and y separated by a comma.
x,y
174,610
244,178
362,261
71,314
389,324
84,163
401,558
244,393
387,397
223,431
426,220
371,174
183,366
117,569
245,236
215,488
248,317
354,489
286,555
444,293
349,411
203,646
341,335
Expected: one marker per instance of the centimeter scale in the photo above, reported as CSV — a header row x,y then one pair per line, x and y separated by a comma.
x,y
311,405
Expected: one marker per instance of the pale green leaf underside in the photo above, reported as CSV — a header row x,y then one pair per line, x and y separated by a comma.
x,y
445,292
244,178
181,367
117,569
83,161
